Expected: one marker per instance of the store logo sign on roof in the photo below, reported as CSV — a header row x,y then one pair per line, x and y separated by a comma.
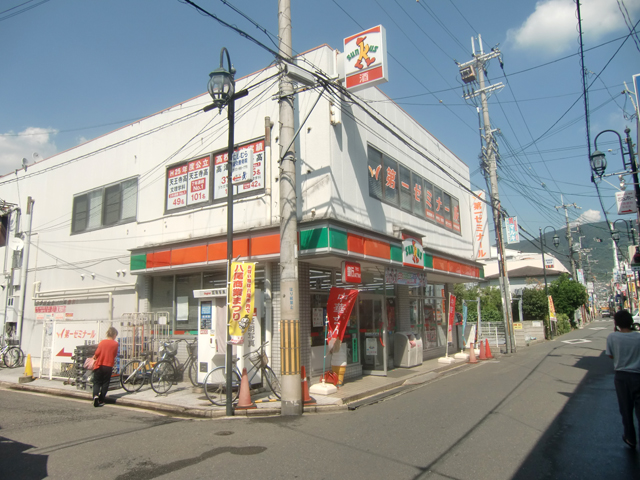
x,y
365,59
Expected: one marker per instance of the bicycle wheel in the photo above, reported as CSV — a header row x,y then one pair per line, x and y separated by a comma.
x,y
272,381
132,376
12,357
163,376
193,372
215,386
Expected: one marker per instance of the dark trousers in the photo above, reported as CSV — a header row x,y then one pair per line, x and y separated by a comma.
x,y
101,379
628,390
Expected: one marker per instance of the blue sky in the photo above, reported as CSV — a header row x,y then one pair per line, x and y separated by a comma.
x,y
74,70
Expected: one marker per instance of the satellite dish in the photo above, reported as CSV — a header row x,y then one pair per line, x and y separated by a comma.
x,y
16,244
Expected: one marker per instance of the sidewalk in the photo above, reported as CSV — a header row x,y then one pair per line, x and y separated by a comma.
x,y
187,401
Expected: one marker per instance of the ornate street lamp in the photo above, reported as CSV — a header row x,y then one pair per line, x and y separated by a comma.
x,y
221,87
598,163
222,82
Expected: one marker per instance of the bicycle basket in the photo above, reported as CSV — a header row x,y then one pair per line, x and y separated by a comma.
x,y
192,348
257,360
171,348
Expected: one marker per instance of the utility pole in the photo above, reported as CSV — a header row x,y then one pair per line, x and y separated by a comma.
x,y
470,72
289,292
569,238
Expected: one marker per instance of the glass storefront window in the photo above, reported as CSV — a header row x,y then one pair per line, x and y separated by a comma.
x,y
181,304
435,328
186,305
162,295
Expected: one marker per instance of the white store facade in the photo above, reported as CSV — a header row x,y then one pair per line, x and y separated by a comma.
x,y
135,221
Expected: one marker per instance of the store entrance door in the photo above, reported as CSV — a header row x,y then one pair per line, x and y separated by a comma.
x,y
373,337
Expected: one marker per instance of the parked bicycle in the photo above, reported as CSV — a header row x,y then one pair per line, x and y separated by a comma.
x,y
169,369
215,383
136,372
11,355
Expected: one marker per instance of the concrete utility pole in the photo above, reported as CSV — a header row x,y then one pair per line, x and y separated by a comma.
x,y
569,238
289,295
470,72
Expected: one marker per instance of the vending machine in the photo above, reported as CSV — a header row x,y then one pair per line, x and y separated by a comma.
x,y
212,329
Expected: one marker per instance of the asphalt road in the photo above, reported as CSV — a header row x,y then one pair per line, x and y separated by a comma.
x,y
548,412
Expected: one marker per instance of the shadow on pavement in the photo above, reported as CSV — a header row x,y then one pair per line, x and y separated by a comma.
x,y
584,441
15,463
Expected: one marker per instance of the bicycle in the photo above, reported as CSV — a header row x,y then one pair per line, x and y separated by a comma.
x,y
136,372
12,355
215,383
169,369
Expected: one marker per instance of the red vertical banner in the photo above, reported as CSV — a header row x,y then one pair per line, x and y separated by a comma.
x,y
339,306
452,316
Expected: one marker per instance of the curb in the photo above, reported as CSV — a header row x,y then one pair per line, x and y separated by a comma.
x,y
189,412
348,403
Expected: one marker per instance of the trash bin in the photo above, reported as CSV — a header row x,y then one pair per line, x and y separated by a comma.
x,y
407,349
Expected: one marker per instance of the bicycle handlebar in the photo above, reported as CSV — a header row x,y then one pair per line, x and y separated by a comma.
x,y
256,350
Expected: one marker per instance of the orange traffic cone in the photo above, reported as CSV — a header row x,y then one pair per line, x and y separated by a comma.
x,y
472,354
306,398
482,353
244,401
488,350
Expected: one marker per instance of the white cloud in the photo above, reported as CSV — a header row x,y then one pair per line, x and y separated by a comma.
x,y
552,28
32,143
590,216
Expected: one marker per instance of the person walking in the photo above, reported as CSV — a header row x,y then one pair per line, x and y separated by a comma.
x,y
623,346
104,358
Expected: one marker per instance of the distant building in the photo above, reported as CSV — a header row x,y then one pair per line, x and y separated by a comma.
x,y
524,270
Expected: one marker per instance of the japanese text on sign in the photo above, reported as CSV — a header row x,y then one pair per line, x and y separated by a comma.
x,y
241,299
479,226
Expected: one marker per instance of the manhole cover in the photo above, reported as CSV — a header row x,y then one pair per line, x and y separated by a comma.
x,y
224,433
576,340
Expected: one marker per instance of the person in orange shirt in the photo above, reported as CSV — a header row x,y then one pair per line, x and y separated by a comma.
x,y
104,358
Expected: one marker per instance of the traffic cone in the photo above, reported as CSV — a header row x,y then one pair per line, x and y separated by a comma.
x,y
472,354
306,399
482,353
488,350
28,372
244,401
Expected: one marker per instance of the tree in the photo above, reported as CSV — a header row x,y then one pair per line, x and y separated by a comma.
x,y
568,295
535,305
490,302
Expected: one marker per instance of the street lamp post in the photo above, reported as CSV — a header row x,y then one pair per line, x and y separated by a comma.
x,y
221,87
556,242
598,164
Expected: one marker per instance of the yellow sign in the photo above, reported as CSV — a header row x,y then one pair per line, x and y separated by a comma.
x,y
517,326
241,291
552,310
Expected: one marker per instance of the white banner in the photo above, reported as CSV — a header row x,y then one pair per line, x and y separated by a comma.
x,y
480,226
626,202
241,153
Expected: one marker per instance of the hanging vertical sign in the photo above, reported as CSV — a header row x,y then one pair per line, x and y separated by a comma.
x,y
241,299
479,226
339,306
511,225
365,59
